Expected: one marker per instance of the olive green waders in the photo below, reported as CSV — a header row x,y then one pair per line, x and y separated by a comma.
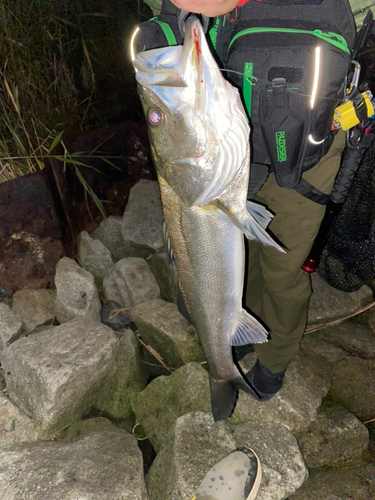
x,y
277,289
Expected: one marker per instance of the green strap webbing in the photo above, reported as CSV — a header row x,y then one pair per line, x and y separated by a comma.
x,y
167,30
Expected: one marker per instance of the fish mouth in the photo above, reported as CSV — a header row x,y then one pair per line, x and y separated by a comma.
x,y
176,66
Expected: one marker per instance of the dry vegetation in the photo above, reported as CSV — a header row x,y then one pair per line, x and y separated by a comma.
x,y
64,69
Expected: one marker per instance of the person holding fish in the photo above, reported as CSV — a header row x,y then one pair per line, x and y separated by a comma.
x,y
291,176
286,63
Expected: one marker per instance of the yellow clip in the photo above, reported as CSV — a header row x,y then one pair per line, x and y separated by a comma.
x,y
346,116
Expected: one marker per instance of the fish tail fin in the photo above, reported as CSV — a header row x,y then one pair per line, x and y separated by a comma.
x,y
249,331
223,398
224,395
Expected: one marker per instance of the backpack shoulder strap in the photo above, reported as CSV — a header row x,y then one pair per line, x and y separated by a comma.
x,y
167,30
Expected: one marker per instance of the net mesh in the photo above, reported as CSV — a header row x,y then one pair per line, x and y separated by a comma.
x,y
348,261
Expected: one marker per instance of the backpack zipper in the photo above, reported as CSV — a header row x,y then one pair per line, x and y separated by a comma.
x,y
248,82
332,38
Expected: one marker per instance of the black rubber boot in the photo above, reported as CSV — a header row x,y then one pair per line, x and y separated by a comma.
x,y
265,382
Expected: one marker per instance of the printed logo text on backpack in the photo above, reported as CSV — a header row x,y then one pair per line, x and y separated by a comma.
x,y
281,146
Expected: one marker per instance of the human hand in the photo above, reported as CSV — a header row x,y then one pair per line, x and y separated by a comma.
x,y
210,8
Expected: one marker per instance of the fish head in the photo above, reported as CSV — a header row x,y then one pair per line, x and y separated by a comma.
x,y
189,109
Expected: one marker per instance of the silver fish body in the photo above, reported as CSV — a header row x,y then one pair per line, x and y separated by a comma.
x,y
199,138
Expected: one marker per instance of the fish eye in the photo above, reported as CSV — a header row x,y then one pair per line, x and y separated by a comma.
x,y
155,117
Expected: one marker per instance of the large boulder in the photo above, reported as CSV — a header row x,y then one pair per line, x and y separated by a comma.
x,y
307,381
76,293
36,307
328,304
54,376
143,220
96,461
129,282
167,398
161,326
94,257
196,443
334,436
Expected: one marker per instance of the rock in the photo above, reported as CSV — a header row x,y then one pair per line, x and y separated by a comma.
x,y
101,463
166,276
2,379
110,234
196,443
284,469
129,282
353,339
313,342
366,317
165,399
36,307
295,406
130,378
113,315
334,436
143,219
14,426
347,483
353,386
328,304
161,326
11,327
94,257
55,375
76,293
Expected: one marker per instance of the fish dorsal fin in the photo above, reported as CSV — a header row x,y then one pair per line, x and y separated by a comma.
x,y
167,243
248,331
252,229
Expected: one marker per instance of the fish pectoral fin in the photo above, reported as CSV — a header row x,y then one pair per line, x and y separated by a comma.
x,y
260,213
248,331
167,243
249,225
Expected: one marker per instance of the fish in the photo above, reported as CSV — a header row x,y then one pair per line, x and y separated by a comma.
x,y
199,138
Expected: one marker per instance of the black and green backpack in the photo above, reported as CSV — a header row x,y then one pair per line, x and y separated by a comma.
x,y
290,58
